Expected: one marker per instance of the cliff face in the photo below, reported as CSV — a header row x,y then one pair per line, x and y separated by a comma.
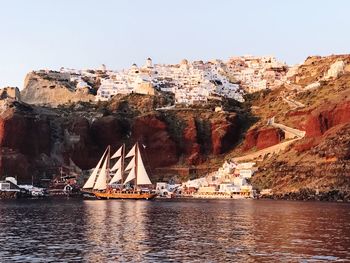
x,y
319,161
322,119
324,167
29,135
23,139
35,141
52,89
262,138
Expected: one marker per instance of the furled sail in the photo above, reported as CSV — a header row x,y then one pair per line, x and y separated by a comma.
x,y
131,175
131,164
91,181
117,177
132,152
118,153
101,182
117,165
142,176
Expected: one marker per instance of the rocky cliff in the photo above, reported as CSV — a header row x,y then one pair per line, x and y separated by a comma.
x,y
65,126
318,164
36,140
51,88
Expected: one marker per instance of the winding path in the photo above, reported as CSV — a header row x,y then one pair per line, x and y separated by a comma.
x,y
291,133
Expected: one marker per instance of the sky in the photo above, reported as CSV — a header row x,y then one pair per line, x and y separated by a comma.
x,y
41,34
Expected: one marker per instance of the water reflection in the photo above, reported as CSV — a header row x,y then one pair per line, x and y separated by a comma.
x,y
115,230
180,230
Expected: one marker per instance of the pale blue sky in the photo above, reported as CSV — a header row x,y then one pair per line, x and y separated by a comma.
x,y
39,34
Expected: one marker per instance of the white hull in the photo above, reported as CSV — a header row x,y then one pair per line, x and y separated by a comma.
x,y
221,196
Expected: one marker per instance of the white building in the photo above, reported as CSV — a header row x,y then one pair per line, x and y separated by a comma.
x,y
191,83
226,179
257,73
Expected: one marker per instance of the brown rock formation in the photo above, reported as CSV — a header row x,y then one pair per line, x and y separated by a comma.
x,y
320,161
152,133
262,138
224,133
321,120
27,134
23,138
52,89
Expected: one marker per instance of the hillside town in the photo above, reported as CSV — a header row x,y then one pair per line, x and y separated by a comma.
x,y
231,181
190,82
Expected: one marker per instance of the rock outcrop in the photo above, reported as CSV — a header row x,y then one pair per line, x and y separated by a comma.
x,y
52,89
320,120
317,166
262,138
23,139
324,167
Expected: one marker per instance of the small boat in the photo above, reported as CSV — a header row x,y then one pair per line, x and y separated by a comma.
x,y
103,181
64,185
219,195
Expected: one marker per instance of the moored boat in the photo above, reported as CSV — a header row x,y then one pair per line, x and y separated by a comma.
x,y
222,195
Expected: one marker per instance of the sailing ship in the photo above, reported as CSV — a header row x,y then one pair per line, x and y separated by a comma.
x,y
109,183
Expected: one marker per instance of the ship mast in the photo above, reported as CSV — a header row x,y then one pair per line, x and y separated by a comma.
x,y
122,163
136,163
108,163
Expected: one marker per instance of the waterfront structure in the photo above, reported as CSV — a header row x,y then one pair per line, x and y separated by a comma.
x,y
33,190
9,188
9,184
166,190
229,181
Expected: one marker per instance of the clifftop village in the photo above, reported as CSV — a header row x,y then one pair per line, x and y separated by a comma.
x,y
190,82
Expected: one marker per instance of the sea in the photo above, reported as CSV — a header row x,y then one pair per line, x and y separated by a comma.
x,y
173,230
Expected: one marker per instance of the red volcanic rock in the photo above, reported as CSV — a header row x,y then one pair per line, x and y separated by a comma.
x,y
188,137
208,134
250,139
321,120
305,144
85,153
23,138
341,114
269,137
316,125
298,113
262,138
114,131
28,135
108,130
152,133
224,134
191,148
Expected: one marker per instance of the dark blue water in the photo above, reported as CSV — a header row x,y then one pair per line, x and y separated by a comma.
x,y
173,231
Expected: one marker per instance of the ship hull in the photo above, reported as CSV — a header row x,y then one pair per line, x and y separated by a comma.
x,y
118,195
221,196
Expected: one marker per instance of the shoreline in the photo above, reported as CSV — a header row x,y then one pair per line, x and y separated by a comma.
x,y
284,197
